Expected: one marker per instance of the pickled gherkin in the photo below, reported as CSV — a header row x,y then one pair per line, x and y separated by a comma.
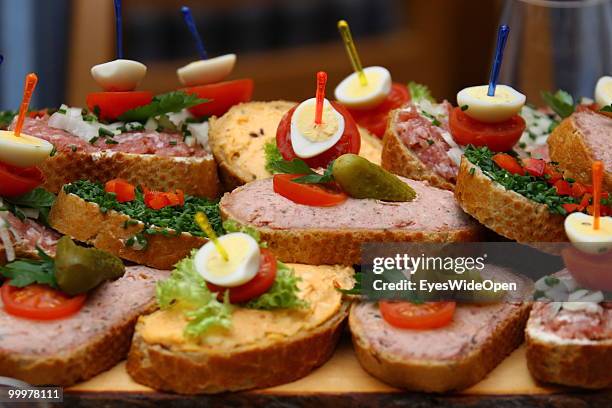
x,y
360,178
79,269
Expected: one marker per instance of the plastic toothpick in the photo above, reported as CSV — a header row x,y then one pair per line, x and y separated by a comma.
x,y
28,90
502,37
345,32
188,17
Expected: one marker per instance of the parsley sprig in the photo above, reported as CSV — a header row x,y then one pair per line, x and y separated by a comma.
x,y
162,104
24,272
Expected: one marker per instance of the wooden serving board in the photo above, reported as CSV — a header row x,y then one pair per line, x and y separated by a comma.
x,y
342,382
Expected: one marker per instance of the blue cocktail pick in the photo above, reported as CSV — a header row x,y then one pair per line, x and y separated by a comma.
x,y
502,37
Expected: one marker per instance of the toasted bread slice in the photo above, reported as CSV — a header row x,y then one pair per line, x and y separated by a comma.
x,y
194,175
261,349
334,235
400,160
83,221
505,212
237,140
66,351
578,141
449,358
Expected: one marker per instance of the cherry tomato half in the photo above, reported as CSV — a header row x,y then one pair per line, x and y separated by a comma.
x,y
499,137
39,302
306,194
257,286
406,315
111,105
350,142
17,181
123,190
375,119
222,96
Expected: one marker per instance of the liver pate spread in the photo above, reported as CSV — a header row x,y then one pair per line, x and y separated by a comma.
x,y
432,210
112,305
141,142
597,131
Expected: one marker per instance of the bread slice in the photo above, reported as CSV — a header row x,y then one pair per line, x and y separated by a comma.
x,y
196,176
505,212
267,361
578,141
400,160
66,351
335,235
450,358
109,231
555,358
237,140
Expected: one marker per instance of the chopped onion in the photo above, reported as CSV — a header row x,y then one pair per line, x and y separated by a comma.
x,y
200,132
6,241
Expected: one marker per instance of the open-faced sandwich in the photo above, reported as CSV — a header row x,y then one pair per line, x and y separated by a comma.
x,y
232,318
441,346
152,228
323,217
244,140
67,318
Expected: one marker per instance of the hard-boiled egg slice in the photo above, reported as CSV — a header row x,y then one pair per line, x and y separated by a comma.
x,y
580,231
23,150
119,75
244,258
351,93
309,139
207,71
603,91
506,103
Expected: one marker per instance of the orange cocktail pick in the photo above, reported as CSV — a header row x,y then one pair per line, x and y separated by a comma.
x,y
321,82
28,90
597,181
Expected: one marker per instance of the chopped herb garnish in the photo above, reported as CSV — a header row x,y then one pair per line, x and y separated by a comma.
x,y
103,132
430,142
173,142
53,151
607,108
464,107
434,120
94,139
73,148
111,142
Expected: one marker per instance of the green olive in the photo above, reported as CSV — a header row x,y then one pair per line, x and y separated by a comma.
x,y
360,178
79,269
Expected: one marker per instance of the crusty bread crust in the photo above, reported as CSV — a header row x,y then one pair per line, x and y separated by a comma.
x,y
196,176
567,147
569,363
445,375
84,222
505,212
221,370
400,160
343,247
72,366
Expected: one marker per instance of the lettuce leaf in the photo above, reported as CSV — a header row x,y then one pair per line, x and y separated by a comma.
x,y
419,92
272,156
186,289
233,226
282,295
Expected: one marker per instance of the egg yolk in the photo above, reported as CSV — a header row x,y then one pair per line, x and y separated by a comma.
x,y
310,130
236,248
585,226
10,137
356,90
502,95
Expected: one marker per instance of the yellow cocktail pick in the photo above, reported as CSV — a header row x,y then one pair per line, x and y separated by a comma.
x,y
345,32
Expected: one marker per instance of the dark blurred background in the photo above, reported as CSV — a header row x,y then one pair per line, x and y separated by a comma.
x,y
446,44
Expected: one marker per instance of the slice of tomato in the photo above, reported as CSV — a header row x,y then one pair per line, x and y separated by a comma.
x,y
508,163
590,271
39,302
406,315
499,137
375,119
257,286
222,96
123,190
307,194
350,142
111,105
535,167
17,181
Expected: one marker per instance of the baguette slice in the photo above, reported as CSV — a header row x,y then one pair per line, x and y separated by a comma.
x,y
66,351
334,235
237,140
450,358
400,160
505,212
252,355
578,141
83,221
566,356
